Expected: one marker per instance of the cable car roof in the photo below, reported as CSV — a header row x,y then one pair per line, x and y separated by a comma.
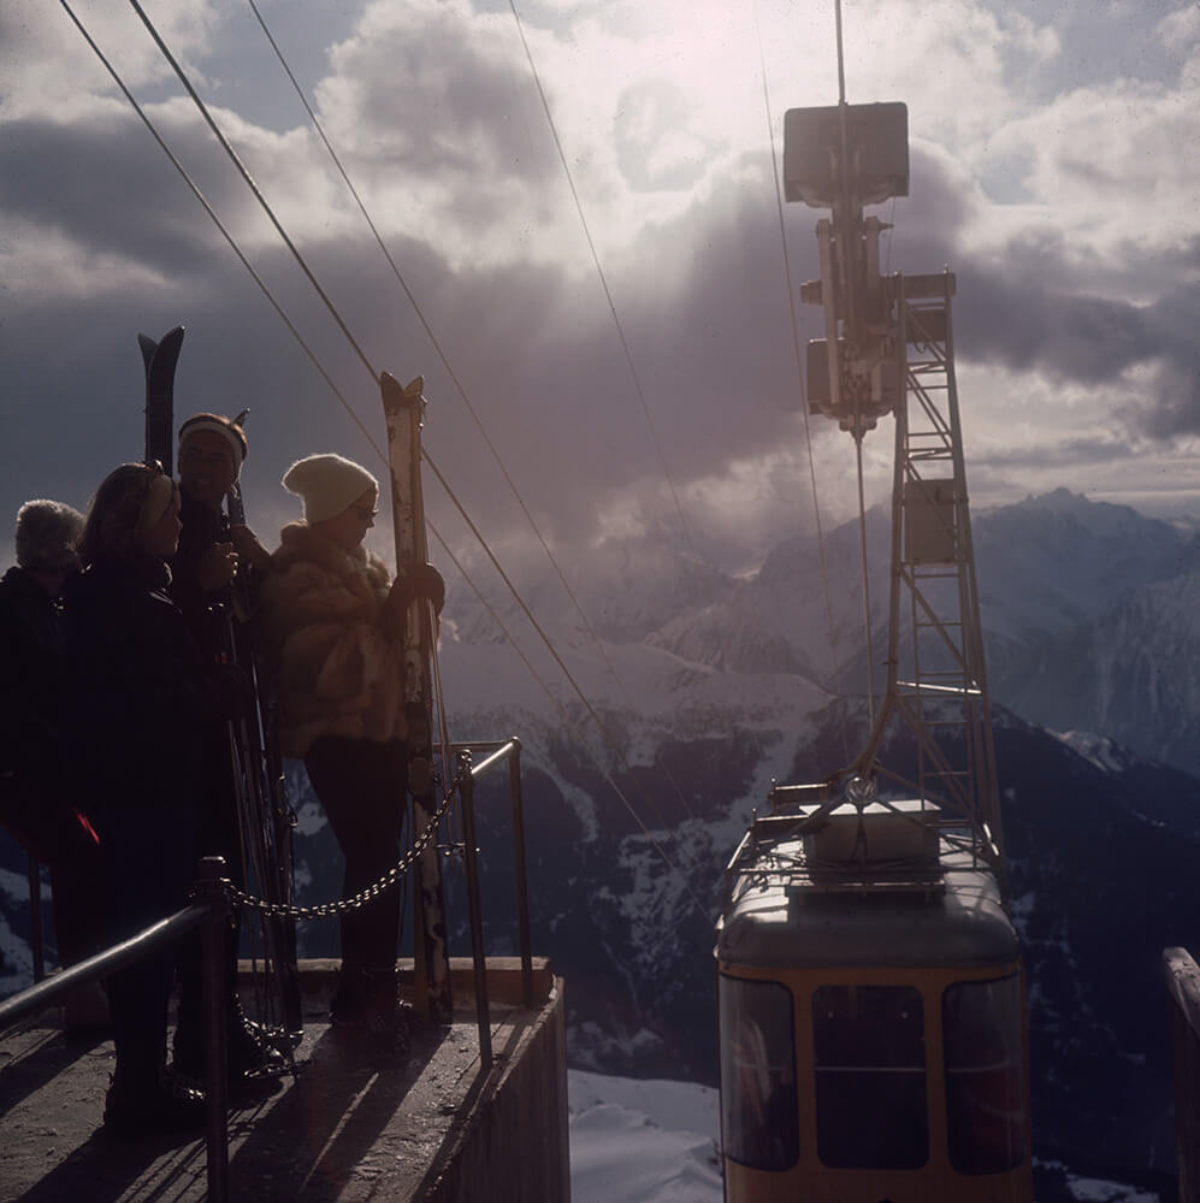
x,y
778,916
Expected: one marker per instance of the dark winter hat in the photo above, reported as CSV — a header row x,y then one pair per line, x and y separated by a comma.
x,y
217,424
328,484
47,532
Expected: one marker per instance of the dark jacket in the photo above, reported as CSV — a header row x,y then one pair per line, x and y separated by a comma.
x,y
141,691
32,677
204,612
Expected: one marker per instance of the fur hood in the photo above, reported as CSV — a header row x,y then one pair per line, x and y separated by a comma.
x,y
336,670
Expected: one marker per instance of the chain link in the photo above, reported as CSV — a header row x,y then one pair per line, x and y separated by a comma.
x,y
324,910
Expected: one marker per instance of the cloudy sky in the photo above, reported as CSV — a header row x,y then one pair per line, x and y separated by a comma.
x,y
622,333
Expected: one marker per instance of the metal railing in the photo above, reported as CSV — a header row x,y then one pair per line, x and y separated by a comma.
x,y
467,775
207,912
212,904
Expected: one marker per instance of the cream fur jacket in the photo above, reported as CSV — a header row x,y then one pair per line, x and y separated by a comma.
x,y
336,671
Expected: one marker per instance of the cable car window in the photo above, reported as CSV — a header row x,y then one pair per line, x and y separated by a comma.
x,y
869,1061
985,1075
759,1115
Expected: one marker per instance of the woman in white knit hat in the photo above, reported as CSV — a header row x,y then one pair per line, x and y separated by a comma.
x,y
335,624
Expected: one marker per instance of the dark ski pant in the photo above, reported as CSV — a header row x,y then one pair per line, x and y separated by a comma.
x,y
148,855
217,835
363,784
54,834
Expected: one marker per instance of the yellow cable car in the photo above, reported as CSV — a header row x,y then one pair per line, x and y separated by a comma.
x,y
871,1002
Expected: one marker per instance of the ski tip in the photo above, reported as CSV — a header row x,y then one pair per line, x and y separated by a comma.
x,y
389,384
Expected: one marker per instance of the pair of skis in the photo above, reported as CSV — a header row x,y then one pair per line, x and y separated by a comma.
x,y
265,820
404,411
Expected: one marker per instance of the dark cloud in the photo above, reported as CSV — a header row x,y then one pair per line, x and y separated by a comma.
x,y
1023,324
1068,453
1026,324
1037,305
107,186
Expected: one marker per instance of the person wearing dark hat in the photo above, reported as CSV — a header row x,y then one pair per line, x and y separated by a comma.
x,y
334,623
36,800
211,554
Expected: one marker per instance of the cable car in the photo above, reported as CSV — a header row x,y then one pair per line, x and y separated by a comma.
x,y
871,1000
871,996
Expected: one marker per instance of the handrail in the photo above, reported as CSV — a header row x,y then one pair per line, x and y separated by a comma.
x,y
208,912
52,990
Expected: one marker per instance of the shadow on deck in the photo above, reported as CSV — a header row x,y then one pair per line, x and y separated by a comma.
x,y
426,1125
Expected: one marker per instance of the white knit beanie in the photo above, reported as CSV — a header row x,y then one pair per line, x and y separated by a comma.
x,y
328,484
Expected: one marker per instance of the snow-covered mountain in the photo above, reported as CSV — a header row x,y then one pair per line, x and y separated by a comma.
x,y
1089,613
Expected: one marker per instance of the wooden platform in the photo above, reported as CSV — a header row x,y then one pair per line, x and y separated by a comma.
x,y
350,1125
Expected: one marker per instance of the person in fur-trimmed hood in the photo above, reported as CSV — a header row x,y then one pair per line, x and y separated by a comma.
x,y
335,623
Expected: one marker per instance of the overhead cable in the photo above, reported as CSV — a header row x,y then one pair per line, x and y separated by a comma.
x,y
437,346
637,383
425,455
212,213
572,726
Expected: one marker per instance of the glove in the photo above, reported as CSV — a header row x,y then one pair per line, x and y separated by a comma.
x,y
420,581
424,580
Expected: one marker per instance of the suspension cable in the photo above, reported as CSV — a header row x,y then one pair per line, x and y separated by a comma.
x,y
437,346
618,325
254,188
566,672
612,307
795,327
866,577
199,195
572,726
292,328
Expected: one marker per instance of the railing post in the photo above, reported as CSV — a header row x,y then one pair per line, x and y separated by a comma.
x,y
475,908
1183,1028
518,807
209,888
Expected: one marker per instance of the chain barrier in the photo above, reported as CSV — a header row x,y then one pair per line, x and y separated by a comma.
x,y
325,910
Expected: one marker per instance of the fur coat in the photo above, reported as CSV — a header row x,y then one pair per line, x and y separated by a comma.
x,y
336,671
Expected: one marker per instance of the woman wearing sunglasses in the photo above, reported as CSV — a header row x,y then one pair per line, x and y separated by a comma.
x,y
334,621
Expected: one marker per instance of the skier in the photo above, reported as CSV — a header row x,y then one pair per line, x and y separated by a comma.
x,y
335,622
210,555
212,450
140,690
36,803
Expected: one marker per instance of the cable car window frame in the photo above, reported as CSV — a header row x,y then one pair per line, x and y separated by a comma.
x,y
869,1068
760,1112
990,1057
